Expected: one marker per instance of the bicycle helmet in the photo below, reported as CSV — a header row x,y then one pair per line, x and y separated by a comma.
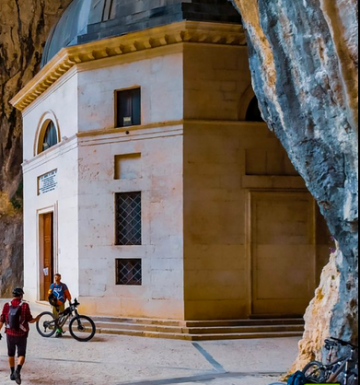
x,y
53,300
17,292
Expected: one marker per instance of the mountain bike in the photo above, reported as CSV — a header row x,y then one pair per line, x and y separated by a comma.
x,y
81,327
343,370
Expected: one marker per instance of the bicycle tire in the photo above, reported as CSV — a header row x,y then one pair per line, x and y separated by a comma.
x,y
76,331
315,372
353,379
44,323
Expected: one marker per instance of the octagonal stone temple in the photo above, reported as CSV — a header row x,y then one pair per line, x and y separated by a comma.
x,y
151,182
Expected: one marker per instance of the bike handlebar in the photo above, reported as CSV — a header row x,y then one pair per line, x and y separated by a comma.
x,y
344,343
330,344
75,303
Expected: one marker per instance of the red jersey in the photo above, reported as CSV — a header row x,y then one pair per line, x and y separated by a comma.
x,y
24,318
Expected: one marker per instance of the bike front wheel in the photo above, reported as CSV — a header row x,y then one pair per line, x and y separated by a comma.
x,y
82,328
46,324
315,372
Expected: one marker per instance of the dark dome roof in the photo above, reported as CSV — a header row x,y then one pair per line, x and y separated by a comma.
x,y
90,20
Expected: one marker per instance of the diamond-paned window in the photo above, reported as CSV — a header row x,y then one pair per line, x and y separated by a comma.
x,y
128,218
128,271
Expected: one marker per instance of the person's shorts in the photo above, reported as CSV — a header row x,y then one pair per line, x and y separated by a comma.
x,y
14,342
56,312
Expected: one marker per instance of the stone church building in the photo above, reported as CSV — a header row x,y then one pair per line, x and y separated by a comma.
x,y
151,182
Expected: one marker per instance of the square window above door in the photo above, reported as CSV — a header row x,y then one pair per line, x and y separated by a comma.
x,y
128,107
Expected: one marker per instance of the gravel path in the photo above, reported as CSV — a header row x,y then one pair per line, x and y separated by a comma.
x,y
123,360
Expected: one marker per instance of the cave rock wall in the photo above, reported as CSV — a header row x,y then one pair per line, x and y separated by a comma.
x,y
24,27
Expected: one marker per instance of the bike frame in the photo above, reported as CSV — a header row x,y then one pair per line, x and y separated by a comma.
x,y
345,365
62,318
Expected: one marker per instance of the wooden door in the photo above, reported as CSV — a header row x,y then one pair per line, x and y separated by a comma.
x,y
282,252
48,253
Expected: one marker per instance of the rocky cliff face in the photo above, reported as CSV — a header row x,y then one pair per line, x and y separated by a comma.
x,y
304,65
24,26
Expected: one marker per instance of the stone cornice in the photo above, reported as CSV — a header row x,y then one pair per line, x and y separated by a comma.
x,y
68,57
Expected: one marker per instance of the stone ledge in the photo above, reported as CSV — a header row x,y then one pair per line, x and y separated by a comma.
x,y
270,182
182,32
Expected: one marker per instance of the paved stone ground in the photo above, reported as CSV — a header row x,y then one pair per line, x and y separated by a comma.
x,y
123,360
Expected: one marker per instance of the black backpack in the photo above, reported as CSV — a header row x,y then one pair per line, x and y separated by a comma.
x,y
14,316
297,378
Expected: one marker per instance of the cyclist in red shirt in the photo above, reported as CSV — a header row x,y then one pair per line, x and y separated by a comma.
x,y
17,338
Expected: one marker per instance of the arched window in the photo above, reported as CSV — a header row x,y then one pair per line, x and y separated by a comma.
x,y
50,137
253,113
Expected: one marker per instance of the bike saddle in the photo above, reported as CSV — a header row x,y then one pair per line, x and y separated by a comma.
x,y
344,343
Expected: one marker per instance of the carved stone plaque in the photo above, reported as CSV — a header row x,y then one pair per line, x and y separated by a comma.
x,y
47,182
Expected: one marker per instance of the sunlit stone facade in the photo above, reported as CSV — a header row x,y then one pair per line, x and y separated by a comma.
x,y
227,228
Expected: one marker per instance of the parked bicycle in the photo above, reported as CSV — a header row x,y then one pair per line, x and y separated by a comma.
x,y
81,327
343,369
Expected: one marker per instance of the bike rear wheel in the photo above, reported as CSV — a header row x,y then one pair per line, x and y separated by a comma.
x,y
46,325
82,328
353,380
315,372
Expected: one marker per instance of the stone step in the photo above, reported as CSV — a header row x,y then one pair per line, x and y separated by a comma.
x,y
246,322
199,337
206,323
199,330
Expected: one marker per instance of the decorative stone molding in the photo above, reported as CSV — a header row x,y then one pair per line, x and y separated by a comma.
x,y
182,32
